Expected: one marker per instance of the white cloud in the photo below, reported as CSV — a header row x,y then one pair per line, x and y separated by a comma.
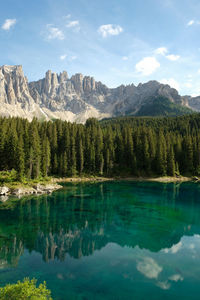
x,y
190,23
165,285
147,66
125,58
173,57
161,51
72,24
54,33
8,24
193,22
176,278
174,249
188,85
109,29
192,246
149,268
73,57
174,84
62,57
69,58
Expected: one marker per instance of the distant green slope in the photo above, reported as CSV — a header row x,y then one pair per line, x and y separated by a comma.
x,y
162,106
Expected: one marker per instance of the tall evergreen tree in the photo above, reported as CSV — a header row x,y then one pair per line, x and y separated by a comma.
x,y
20,157
45,156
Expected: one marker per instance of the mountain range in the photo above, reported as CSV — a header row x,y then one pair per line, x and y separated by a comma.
x,y
80,97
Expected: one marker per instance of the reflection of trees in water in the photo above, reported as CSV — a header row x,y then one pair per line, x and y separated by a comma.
x,y
10,252
84,218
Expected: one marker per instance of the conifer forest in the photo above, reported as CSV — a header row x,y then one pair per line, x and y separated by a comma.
x,y
126,146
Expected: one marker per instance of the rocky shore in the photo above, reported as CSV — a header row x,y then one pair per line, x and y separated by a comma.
x,y
37,189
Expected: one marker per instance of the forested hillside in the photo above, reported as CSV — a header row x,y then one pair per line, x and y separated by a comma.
x,y
162,106
123,146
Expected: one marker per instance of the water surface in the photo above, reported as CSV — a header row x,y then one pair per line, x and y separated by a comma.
x,y
112,240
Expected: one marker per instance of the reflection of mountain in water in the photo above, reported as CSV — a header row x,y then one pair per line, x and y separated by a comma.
x,y
76,243
83,218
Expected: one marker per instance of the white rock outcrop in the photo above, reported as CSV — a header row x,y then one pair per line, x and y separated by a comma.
x,y
4,190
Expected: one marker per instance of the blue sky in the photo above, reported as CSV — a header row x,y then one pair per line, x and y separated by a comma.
x,y
116,41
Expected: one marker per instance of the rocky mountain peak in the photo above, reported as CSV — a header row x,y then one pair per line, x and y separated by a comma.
x,y
63,77
10,69
13,85
77,98
77,81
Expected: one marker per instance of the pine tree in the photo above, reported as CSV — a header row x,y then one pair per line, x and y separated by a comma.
x,y
11,149
161,155
20,163
36,150
45,156
80,159
101,166
171,167
145,154
98,151
73,156
64,164
92,158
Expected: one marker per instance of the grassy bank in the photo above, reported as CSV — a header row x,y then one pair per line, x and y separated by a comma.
x,y
9,185
9,179
164,179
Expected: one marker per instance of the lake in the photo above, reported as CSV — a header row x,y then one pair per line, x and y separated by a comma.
x,y
111,240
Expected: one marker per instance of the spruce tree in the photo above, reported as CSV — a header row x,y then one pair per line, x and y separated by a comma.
x,y
45,156
20,157
171,167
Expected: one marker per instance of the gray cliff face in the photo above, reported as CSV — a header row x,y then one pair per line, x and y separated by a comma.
x,y
14,86
78,97
193,102
58,92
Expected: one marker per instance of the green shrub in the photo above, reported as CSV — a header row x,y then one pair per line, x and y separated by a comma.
x,y
25,290
8,176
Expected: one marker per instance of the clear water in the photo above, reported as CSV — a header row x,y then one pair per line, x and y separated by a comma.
x,y
112,240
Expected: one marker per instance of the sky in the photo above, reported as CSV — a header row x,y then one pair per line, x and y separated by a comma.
x,y
116,41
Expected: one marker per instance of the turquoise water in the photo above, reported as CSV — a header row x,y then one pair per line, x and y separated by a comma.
x,y
112,240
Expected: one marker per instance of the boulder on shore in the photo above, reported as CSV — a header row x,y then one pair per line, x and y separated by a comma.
x,y
4,190
49,188
37,189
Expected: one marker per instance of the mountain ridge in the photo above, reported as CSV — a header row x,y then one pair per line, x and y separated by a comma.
x,y
79,97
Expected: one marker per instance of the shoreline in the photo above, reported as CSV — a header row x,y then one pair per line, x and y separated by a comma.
x,y
164,179
19,191
81,179
10,189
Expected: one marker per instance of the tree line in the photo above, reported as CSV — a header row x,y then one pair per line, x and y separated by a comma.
x,y
123,146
